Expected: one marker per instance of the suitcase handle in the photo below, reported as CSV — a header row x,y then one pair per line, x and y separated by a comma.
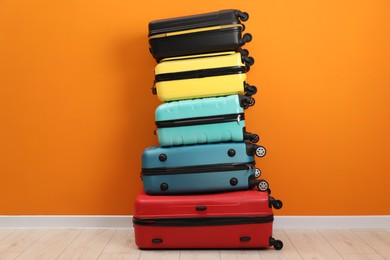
x,y
201,208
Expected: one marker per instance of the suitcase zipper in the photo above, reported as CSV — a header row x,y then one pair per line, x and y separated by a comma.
x,y
197,56
204,29
202,73
201,120
202,221
198,168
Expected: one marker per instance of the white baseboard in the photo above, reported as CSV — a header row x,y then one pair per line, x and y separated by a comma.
x,y
125,221
382,221
66,221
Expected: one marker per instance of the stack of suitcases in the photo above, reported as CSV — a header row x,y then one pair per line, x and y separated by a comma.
x,y
201,188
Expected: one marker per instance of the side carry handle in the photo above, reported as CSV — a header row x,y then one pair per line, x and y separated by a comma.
x,y
201,208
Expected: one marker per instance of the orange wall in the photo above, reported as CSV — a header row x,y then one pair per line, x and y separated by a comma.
x,y
76,109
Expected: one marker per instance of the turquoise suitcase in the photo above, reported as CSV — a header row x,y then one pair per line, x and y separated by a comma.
x,y
205,120
205,168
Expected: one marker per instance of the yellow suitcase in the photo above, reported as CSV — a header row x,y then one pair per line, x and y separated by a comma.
x,y
204,75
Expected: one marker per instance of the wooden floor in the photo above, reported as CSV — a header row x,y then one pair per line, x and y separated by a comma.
x,y
111,243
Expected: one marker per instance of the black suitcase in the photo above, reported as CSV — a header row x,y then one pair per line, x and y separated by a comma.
x,y
196,34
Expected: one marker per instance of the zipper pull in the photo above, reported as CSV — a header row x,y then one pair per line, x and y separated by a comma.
x,y
238,119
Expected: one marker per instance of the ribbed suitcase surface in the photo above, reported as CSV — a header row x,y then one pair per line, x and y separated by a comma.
x,y
206,120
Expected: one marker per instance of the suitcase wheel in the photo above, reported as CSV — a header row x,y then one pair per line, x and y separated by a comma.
x,y
249,61
262,185
244,52
277,244
260,151
246,102
245,38
254,138
257,172
252,102
277,204
250,90
244,16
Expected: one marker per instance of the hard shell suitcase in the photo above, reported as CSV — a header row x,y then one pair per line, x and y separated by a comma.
x,y
201,33
240,219
205,120
205,168
204,75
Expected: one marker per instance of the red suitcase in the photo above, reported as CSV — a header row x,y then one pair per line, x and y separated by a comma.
x,y
239,219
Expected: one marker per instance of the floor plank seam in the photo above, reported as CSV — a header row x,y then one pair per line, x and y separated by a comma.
x,y
19,253
62,251
108,241
330,243
368,244
291,242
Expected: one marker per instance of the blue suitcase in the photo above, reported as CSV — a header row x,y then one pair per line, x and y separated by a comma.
x,y
204,120
205,168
